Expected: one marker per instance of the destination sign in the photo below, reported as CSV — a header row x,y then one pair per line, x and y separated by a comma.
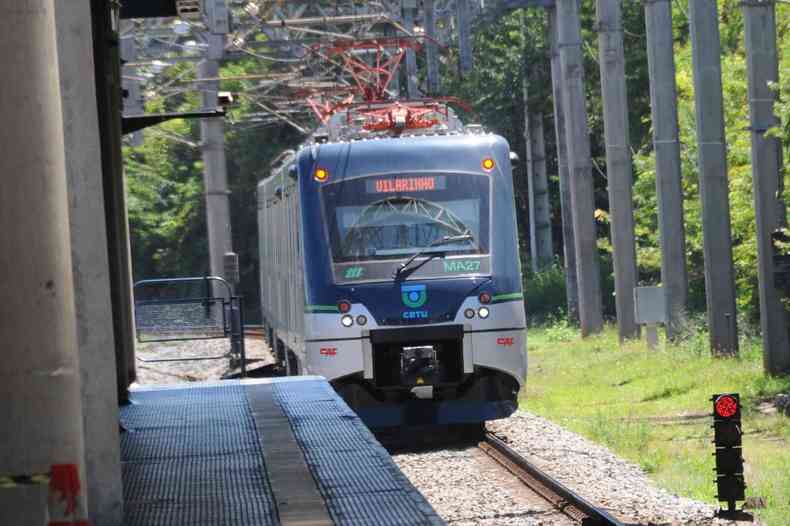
x,y
390,185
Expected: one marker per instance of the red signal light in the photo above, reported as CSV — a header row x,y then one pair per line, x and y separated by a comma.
x,y
726,406
484,298
343,306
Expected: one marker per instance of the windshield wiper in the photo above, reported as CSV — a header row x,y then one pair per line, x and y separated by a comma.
x,y
446,240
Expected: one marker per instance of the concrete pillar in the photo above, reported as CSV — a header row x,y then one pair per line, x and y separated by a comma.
x,y
464,30
618,162
666,143
580,167
408,7
568,245
759,20
215,175
39,365
90,263
431,52
541,248
106,57
713,183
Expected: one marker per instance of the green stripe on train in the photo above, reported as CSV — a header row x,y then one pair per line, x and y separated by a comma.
x,y
321,308
507,297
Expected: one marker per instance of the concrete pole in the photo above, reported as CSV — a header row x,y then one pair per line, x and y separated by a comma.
x,y
215,175
465,62
759,20
541,184
618,163
39,364
431,53
580,167
408,7
666,143
568,245
717,242
530,170
90,264
538,187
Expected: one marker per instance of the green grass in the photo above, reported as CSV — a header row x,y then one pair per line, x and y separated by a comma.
x,y
653,408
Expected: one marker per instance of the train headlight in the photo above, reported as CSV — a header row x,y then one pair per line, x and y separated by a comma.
x,y
483,312
362,319
347,320
321,175
469,314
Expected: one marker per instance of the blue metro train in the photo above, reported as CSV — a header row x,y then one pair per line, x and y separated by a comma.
x,y
390,266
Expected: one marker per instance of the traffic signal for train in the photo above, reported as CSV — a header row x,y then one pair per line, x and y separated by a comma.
x,y
727,439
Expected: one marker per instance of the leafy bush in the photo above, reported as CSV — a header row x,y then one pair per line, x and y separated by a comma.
x,y
544,294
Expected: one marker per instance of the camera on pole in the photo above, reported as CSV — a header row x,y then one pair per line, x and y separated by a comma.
x,y
727,433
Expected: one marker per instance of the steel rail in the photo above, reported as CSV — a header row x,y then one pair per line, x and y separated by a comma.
x,y
562,498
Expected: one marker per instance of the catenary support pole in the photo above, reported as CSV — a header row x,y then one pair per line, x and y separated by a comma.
x,y
618,162
666,143
465,62
759,20
90,262
579,167
39,366
568,245
215,175
431,52
714,191
538,187
408,7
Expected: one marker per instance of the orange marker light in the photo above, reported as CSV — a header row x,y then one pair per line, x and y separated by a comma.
x,y
321,175
488,164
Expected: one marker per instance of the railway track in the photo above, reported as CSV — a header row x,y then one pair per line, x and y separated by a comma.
x,y
563,499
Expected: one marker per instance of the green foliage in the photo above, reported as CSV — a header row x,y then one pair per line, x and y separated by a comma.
x,y
544,293
167,215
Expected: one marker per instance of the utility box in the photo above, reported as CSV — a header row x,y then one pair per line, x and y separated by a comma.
x,y
650,305
650,309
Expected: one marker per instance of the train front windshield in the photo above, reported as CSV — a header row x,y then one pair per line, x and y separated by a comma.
x,y
376,221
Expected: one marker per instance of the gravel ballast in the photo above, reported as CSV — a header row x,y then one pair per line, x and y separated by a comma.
x,y
467,488
599,476
193,370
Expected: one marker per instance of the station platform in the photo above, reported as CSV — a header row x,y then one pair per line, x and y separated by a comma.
x,y
258,452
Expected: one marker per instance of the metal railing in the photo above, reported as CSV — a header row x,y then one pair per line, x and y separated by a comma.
x,y
192,308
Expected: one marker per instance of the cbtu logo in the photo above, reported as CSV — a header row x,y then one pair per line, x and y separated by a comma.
x,y
414,297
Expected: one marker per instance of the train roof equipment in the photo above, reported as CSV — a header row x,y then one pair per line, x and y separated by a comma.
x,y
367,107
